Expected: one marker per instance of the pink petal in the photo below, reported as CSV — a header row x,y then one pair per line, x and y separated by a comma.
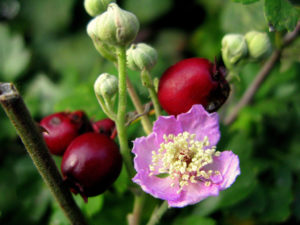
x,y
228,165
166,125
142,148
157,187
193,194
200,122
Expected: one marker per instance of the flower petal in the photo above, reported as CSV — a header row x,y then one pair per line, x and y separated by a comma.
x,y
198,121
142,148
157,187
194,193
166,125
228,165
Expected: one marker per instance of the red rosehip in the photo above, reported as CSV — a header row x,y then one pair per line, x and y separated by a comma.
x,y
105,126
192,81
91,163
62,127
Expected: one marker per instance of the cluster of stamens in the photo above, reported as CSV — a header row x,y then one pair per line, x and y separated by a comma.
x,y
182,158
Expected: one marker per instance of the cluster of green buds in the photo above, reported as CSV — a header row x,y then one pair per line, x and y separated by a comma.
x,y
237,48
112,27
111,30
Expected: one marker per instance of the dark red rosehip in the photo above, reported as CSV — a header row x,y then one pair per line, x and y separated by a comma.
x,y
91,164
105,126
62,127
192,81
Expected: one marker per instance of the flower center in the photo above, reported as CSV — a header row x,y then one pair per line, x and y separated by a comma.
x,y
182,158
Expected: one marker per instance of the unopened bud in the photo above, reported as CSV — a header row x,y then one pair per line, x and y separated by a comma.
x,y
106,85
234,49
117,26
259,45
96,7
107,51
141,56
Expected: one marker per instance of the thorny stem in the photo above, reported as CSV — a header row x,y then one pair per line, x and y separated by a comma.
x,y
20,117
158,213
121,115
261,76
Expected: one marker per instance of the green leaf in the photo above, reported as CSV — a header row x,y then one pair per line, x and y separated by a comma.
x,y
280,196
41,95
194,220
162,175
92,207
121,184
14,57
148,10
281,14
238,18
245,1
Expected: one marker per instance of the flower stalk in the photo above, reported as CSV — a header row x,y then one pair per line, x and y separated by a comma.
x,y
35,145
147,126
121,114
147,82
158,213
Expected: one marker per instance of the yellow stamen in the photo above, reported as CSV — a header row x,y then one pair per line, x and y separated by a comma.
x,y
183,158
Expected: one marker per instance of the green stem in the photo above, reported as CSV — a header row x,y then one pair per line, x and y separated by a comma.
x,y
134,218
147,81
147,126
158,213
121,115
31,136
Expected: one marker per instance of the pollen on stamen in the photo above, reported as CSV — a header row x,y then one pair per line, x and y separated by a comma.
x,y
183,157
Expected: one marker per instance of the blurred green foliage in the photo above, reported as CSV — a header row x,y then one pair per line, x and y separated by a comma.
x,y
45,50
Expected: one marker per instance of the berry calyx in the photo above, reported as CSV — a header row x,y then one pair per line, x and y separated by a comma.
x,y
192,81
62,127
91,164
105,126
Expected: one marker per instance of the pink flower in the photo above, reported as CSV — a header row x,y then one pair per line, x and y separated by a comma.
x,y
179,163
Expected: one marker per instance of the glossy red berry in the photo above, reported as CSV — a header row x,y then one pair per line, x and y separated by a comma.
x,y
192,81
91,164
105,126
62,127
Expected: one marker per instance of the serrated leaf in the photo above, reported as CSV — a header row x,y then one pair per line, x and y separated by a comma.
x,y
281,14
245,1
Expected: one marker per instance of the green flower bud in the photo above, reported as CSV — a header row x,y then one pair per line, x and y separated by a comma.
x,y
96,7
117,26
234,49
106,85
259,45
141,56
107,51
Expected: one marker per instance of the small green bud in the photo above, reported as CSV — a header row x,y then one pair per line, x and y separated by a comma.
x,y
141,56
234,49
96,7
116,26
106,85
107,51
259,45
